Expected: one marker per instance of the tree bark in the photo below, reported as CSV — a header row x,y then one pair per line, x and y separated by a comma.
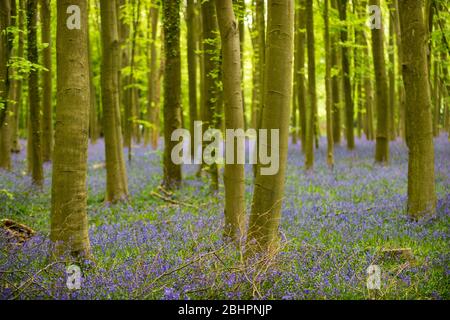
x,y
336,57
349,108
382,139
33,96
192,66
5,52
268,195
419,135
211,55
69,222
172,89
234,179
47,123
328,86
116,177
311,112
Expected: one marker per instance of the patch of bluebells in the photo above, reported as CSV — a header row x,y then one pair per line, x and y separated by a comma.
x,y
334,224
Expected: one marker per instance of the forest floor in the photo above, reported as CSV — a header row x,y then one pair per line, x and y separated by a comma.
x,y
334,225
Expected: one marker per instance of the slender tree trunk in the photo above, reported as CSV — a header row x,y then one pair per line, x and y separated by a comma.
x,y
33,96
382,139
311,117
437,102
349,108
392,83
421,178
336,54
260,57
116,177
400,87
234,179
15,147
69,223
211,52
269,189
153,78
5,52
192,66
172,89
301,89
47,123
93,116
328,86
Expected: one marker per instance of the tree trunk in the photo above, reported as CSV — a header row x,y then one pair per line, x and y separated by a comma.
x,y
392,83
69,222
234,179
116,177
33,96
382,139
152,133
5,119
211,55
172,89
46,38
93,116
400,88
192,66
419,136
328,87
269,189
301,90
18,83
311,118
342,6
336,57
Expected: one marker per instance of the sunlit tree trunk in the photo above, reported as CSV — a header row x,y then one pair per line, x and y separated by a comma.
x,y
172,89
234,179
33,96
269,189
69,223
47,123
328,86
94,129
336,81
260,54
116,177
382,94
419,135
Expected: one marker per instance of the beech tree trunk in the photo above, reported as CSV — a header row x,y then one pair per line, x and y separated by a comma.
x,y
382,139
33,97
269,189
419,135
69,222
234,179
116,177
47,123
172,89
